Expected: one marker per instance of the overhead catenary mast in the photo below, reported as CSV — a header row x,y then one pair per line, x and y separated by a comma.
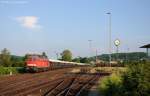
x,y
110,51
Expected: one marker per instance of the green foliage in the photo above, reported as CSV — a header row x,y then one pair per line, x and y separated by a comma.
x,y
5,58
14,70
84,60
8,60
66,55
135,81
18,61
44,54
134,56
81,60
76,60
110,86
125,57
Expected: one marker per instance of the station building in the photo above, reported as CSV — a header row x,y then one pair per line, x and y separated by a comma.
x,y
147,49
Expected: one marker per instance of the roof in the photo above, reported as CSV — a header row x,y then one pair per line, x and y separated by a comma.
x,y
145,46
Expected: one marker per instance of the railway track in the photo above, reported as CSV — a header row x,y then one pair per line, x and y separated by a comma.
x,y
77,87
59,88
62,84
13,85
72,86
41,89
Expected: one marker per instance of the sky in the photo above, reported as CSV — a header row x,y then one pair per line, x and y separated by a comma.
x,y
51,26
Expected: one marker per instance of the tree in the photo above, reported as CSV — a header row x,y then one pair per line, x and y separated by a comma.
x,y
77,60
66,55
84,60
18,61
25,57
5,58
44,54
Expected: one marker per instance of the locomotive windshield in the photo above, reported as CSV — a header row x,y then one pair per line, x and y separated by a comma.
x,y
35,57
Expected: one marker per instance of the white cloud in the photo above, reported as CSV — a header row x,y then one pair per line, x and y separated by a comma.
x,y
30,22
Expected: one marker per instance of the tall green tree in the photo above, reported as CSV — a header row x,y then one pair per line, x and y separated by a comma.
x,y
5,58
66,55
18,61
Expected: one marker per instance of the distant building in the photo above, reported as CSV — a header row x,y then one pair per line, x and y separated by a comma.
x,y
147,49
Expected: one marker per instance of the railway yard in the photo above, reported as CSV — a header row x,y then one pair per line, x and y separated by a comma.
x,y
60,82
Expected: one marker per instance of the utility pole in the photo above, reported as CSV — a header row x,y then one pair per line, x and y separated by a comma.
x,y
96,57
110,51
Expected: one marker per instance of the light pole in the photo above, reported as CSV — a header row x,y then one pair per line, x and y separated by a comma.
x,y
117,43
96,57
109,37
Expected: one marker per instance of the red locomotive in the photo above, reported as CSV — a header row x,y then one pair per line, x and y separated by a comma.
x,y
35,63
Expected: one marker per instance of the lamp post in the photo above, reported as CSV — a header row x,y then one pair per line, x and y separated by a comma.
x,y
117,43
109,37
96,57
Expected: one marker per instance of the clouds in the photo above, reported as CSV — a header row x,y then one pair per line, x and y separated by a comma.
x,y
30,22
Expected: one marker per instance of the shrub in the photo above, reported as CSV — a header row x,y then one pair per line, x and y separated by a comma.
x,y
136,81
14,70
110,86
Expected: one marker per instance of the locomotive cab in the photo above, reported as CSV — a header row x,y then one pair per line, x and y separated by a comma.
x,y
36,63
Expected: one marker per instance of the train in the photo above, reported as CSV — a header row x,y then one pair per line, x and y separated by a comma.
x,y
38,63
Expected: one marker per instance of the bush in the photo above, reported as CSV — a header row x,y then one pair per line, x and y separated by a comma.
x,y
8,70
134,82
110,86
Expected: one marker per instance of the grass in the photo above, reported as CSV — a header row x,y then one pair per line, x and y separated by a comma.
x,y
115,70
